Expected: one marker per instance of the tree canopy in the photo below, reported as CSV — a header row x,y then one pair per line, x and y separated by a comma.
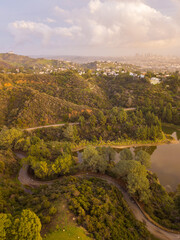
x,y
144,158
26,227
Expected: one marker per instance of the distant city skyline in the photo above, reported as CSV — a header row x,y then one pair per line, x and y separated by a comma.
x,y
90,27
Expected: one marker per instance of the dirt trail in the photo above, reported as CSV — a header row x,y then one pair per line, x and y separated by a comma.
x,y
48,126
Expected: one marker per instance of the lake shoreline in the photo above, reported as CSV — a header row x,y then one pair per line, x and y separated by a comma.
x,y
174,141
173,126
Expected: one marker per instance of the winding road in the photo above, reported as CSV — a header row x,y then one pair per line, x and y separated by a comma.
x,y
25,179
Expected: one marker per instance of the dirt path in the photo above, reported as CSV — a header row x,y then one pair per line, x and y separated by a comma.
x,y
63,124
25,179
131,145
49,126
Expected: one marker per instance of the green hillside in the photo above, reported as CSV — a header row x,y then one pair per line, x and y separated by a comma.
x,y
25,107
20,60
33,99
11,62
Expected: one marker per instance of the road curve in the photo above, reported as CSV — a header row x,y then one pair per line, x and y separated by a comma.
x,y
25,179
49,126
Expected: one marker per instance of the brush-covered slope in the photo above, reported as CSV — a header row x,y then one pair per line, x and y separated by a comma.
x,y
67,85
25,107
19,60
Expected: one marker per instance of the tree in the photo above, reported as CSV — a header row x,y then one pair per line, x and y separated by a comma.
x,y
62,164
122,116
138,182
58,148
110,153
27,227
52,211
92,120
24,144
41,169
8,136
81,120
177,198
142,133
101,118
144,158
126,154
2,166
70,133
135,175
122,168
169,115
164,114
93,161
113,119
5,226
40,150
107,153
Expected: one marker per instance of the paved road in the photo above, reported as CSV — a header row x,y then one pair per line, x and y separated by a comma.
x,y
49,126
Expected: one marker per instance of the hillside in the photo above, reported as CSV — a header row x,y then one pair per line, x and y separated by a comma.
x,y
11,62
27,107
20,60
4,64
34,99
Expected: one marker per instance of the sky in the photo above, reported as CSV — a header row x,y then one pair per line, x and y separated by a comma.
x,y
90,27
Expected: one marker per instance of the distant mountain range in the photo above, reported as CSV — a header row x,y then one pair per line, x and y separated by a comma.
x,y
82,59
145,62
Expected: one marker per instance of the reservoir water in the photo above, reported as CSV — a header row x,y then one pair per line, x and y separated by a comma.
x,y
165,160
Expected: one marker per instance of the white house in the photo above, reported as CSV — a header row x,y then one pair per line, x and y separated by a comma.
x,y
155,80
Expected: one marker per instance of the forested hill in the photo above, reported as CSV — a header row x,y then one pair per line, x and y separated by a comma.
x,y
19,60
32,99
10,62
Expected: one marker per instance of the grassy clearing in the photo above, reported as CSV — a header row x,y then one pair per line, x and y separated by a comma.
x,y
63,226
69,233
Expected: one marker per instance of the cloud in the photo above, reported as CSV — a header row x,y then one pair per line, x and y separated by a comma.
x,y
122,22
50,20
105,25
26,30
94,5
59,10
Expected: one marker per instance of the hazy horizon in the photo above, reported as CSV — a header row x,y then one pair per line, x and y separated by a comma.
x,y
90,28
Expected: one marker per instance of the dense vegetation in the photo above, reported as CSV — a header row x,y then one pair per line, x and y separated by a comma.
x,y
50,159
44,201
97,104
100,208
27,226
118,125
16,223
163,207
33,99
141,184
